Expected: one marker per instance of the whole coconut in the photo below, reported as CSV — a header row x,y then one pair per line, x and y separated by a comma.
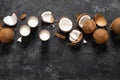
x,y
6,35
100,36
115,25
89,26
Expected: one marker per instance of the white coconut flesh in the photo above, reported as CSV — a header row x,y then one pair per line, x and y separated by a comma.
x,y
65,24
33,21
84,41
10,20
74,35
24,30
44,35
83,19
19,39
47,17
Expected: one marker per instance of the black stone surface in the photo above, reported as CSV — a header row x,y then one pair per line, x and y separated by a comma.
x,y
54,60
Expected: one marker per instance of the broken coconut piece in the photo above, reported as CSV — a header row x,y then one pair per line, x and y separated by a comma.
x,y
23,16
33,21
81,19
84,41
10,20
65,24
19,39
24,30
75,36
47,17
100,20
44,35
60,36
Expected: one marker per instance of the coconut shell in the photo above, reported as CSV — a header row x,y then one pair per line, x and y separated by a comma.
x,y
100,20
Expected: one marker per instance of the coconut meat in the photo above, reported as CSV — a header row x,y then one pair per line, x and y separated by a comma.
x,y
83,19
84,41
44,35
10,20
24,30
65,24
33,21
19,39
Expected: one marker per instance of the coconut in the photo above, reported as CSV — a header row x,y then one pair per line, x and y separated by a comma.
x,y
82,18
47,17
10,20
75,36
24,30
33,21
65,24
115,25
44,35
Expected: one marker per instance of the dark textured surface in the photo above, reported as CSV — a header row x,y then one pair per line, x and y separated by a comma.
x,y
54,60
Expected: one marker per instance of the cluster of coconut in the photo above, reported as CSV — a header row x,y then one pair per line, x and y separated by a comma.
x,y
84,21
89,26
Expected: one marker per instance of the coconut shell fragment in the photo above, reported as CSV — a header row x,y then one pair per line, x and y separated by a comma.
x,y
60,36
23,16
100,20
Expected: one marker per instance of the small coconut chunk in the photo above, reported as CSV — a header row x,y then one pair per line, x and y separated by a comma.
x,y
65,24
82,20
19,39
33,21
84,41
47,17
53,26
24,30
44,35
75,36
100,20
10,20
23,16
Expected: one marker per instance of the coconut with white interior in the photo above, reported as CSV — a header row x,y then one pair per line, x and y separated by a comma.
x,y
33,21
82,18
10,20
65,24
75,36
24,30
44,35
47,17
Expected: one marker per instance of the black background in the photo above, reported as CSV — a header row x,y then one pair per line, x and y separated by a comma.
x,y
55,60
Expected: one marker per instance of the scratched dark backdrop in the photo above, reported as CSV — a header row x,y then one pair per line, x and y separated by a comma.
x,y
54,60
